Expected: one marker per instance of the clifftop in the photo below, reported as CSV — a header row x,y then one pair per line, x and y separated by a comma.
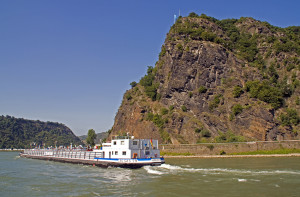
x,y
217,81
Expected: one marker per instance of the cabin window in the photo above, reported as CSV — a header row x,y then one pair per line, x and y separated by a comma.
x,y
112,152
115,142
122,143
135,143
124,153
116,152
147,148
147,153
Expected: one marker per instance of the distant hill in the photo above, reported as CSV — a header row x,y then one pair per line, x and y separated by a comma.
x,y
218,81
21,133
102,135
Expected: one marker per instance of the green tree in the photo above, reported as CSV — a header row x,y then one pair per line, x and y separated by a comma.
x,y
90,140
133,84
237,91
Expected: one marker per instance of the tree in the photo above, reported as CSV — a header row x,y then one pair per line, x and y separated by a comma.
x,y
133,84
90,140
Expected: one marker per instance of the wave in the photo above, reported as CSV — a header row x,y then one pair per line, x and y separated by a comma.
x,y
167,168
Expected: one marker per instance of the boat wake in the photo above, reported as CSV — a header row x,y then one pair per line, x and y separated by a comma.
x,y
167,169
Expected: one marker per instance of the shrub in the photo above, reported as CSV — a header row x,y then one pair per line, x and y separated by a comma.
x,y
190,94
148,82
237,91
202,89
163,51
266,93
215,102
179,47
164,111
193,15
290,67
290,118
237,109
197,130
171,107
133,84
205,133
297,101
183,108
128,96
158,121
149,116
221,138
222,152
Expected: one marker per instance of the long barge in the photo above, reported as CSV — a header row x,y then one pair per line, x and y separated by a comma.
x,y
124,152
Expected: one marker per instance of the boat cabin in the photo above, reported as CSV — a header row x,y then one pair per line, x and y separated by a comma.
x,y
125,147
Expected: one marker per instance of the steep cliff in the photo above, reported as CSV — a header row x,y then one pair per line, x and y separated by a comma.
x,y
216,81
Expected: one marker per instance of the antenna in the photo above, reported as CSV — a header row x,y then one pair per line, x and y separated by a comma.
x,y
179,13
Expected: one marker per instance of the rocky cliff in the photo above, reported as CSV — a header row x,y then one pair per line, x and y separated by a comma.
x,y
216,81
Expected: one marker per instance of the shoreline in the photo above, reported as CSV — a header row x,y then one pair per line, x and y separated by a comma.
x,y
235,156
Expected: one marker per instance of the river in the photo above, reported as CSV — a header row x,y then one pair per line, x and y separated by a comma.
x,y
178,177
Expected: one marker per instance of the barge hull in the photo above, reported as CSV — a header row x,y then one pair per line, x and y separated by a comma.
x,y
98,163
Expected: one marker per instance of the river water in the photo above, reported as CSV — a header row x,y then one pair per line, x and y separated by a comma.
x,y
178,177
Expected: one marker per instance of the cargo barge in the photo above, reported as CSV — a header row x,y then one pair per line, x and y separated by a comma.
x,y
124,152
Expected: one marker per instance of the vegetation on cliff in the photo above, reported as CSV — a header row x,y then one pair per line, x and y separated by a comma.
x,y
216,81
22,133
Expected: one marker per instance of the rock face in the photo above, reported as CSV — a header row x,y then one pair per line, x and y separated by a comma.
x,y
200,88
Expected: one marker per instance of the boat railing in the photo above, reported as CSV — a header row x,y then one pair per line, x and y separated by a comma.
x,y
70,154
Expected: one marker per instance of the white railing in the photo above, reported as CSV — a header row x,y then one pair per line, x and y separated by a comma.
x,y
70,154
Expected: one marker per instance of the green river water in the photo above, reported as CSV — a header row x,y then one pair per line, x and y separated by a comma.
x,y
178,177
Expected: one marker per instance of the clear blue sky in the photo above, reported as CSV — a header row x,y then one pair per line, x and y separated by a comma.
x,y
71,61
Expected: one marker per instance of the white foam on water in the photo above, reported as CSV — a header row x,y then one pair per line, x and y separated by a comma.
x,y
167,168
150,170
242,180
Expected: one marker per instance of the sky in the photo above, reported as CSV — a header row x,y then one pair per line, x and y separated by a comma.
x,y
71,61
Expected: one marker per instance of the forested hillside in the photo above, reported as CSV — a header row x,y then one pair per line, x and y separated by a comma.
x,y
22,133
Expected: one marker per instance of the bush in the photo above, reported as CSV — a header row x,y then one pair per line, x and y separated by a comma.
x,y
215,102
290,118
150,87
190,94
297,101
163,51
266,93
164,111
202,89
205,133
171,107
237,109
237,91
179,47
183,108
197,130
193,15
290,67
133,84
128,96
158,121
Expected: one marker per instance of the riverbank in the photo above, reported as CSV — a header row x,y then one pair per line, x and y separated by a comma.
x,y
233,156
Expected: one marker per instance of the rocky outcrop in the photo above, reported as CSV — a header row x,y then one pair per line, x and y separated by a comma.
x,y
201,65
